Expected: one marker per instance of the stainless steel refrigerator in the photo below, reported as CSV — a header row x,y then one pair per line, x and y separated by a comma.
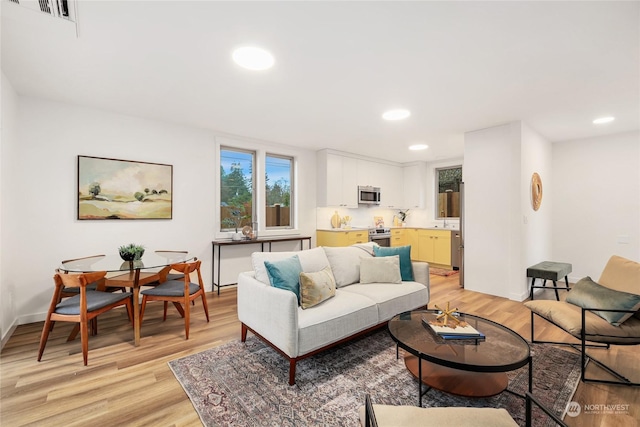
x,y
461,238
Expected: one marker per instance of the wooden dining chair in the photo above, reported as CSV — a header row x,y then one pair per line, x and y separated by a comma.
x,y
178,292
73,291
165,274
81,308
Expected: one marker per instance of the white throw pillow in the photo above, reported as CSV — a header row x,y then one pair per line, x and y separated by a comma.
x,y
345,263
310,259
380,270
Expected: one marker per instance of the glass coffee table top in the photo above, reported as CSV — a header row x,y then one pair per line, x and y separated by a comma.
x,y
468,367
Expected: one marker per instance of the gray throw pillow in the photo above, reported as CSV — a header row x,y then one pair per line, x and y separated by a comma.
x,y
589,294
380,270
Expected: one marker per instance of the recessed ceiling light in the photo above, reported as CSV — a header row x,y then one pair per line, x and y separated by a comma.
x,y
602,120
417,147
253,58
399,114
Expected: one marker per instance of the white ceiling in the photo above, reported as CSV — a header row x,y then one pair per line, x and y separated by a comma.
x,y
458,66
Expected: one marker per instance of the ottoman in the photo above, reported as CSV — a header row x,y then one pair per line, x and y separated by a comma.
x,y
549,270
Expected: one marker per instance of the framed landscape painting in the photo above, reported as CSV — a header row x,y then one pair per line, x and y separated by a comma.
x,y
124,189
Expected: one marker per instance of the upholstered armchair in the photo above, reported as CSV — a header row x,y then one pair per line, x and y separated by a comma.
x,y
598,314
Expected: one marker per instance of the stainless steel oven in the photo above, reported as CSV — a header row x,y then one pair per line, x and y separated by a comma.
x,y
381,236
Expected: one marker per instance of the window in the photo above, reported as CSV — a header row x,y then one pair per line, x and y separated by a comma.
x,y
448,188
278,178
236,188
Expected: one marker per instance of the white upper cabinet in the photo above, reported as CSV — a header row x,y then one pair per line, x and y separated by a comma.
x,y
369,173
339,177
337,180
414,186
391,194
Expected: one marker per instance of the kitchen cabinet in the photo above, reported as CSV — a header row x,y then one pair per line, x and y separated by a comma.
x,y
391,188
337,180
414,178
411,237
341,237
398,237
369,173
434,246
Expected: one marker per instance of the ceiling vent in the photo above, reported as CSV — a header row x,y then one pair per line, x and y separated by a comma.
x,y
64,9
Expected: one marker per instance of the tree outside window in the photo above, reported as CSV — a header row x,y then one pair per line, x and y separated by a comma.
x,y
278,178
448,188
236,188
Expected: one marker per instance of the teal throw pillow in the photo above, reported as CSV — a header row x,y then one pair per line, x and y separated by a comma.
x,y
285,274
406,268
589,294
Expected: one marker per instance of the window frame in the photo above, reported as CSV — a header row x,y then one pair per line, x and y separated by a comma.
x,y
259,196
437,189
254,162
291,160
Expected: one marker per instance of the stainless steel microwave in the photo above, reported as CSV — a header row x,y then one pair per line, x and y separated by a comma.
x,y
368,195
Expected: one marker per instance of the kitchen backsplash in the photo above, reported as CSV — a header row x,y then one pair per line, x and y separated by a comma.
x,y
364,217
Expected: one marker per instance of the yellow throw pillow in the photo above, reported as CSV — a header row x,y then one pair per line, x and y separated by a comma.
x,y
316,287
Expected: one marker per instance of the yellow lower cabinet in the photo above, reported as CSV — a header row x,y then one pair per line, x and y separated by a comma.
x,y
434,246
412,238
398,238
354,237
341,238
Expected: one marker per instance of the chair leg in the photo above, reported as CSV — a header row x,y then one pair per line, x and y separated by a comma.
x,y
84,338
74,332
142,307
130,311
48,326
205,305
187,318
179,308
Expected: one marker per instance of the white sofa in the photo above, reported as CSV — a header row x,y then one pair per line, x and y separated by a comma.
x,y
273,314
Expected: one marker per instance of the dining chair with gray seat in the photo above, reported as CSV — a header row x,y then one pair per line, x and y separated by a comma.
x,y
179,292
82,308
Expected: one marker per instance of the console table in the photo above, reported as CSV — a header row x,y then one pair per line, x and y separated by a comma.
x,y
220,243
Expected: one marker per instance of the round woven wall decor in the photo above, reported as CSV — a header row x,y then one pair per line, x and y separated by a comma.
x,y
536,191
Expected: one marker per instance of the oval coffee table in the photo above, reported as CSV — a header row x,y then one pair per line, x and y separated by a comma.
x,y
468,367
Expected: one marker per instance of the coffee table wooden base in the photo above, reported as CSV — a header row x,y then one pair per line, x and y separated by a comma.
x,y
455,381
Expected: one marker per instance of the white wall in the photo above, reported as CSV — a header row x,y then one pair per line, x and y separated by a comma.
x,y
492,234
41,203
503,235
596,202
536,226
8,141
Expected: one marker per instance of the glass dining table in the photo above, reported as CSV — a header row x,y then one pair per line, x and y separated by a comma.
x,y
132,276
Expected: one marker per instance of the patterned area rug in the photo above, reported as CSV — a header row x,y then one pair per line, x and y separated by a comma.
x,y
442,272
246,384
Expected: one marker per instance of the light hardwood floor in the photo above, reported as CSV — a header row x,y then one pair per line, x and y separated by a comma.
x,y
124,385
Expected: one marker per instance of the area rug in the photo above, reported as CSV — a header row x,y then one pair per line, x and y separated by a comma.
x,y
442,272
246,384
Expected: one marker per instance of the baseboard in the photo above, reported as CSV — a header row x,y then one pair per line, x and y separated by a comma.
x,y
7,335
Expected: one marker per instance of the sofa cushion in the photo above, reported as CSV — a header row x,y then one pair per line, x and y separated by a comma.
x,y
310,259
406,268
569,318
621,274
285,274
392,299
341,316
380,270
345,263
316,287
589,294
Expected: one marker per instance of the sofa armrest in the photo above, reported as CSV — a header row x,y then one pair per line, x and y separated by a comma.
x,y
270,312
421,273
